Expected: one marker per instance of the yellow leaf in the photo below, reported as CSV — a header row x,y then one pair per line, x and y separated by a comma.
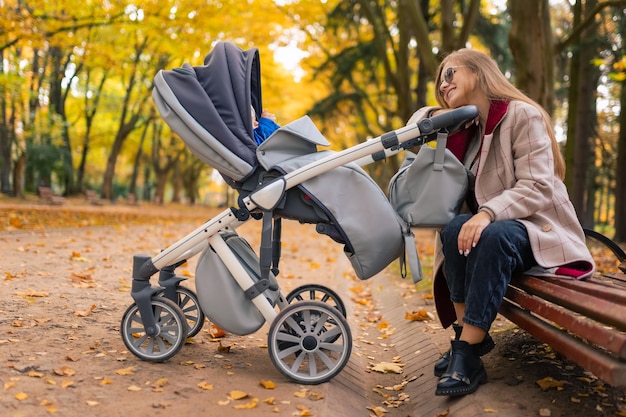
x,y
267,384
32,293
304,412
106,381
420,315
549,382
92,403
126,371
270,401
9,384
161,382
205,386
66,383
251,404
237,395
85,313
21,396
300,394
315,396
215,331
378,411
489,410
134,388
65,371
385,367
36,374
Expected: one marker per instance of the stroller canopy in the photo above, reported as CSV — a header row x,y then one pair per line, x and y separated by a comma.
x,y
209,107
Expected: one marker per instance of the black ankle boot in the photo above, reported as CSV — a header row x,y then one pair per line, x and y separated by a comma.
x,y
483,347
465,372
444,360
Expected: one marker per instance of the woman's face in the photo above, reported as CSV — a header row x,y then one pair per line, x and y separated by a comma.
x,y
457,85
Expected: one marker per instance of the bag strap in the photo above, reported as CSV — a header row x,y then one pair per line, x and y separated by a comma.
x,y
409,255
440,150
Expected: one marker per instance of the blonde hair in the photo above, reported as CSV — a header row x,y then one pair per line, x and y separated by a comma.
x,y
497,87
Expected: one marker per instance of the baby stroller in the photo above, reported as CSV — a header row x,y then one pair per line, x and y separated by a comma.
x,y
285,177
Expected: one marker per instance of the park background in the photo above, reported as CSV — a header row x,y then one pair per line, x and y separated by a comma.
x,y
76,77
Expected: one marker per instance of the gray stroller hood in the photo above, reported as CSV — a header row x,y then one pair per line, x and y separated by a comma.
x,y
209,108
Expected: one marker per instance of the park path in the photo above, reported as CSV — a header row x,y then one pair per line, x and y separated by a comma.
x,y
65,289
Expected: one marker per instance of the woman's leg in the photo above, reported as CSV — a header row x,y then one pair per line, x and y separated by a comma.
x,y
477,284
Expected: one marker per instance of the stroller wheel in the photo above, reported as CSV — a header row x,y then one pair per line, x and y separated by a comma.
x,y
317,292
170,338
188,302
309,342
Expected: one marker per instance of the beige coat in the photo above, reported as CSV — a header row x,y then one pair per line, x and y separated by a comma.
x,y
515,180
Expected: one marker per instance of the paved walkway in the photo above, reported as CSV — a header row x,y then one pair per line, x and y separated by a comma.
x,y
376,311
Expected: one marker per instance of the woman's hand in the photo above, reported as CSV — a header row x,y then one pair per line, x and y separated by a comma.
x,y
471,231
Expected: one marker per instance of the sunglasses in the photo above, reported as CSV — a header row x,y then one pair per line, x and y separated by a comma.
x,y
448,74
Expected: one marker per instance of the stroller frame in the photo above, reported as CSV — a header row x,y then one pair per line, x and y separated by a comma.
x,y
166,326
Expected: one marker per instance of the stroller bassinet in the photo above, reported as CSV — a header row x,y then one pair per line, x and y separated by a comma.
x,y
285,177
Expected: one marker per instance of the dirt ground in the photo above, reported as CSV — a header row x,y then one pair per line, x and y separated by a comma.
x,y
65,289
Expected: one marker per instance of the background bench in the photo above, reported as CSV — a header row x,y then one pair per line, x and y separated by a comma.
x,y
582,320
48,196
93,198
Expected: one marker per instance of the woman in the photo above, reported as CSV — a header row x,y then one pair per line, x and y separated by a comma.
x,y
524,219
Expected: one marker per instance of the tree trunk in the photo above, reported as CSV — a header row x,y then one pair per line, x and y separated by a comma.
x,y
89,112
125,126
132,187
582,118
620,175
532,47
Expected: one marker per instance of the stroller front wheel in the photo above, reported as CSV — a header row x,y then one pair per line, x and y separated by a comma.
x,y
309,342
168,341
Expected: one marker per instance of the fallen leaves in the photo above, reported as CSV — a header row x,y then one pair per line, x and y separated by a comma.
x,y
29,294
83,279
267,384
85,313
126,371
419,315
549,382
388,367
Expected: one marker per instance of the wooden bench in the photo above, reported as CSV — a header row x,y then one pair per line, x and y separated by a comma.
x,y
93,198
583,320
48,196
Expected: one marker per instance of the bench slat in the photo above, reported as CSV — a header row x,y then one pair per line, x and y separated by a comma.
x,y
583,327
584,303
606,367
597,288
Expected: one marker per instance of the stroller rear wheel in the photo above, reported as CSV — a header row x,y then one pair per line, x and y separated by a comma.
x,y
317,292
170,338
310,342
188,302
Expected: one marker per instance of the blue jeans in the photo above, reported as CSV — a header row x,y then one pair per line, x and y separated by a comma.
x,y
480,279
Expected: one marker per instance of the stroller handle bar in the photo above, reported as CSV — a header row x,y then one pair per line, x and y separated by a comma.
x,y
392,142
450,122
